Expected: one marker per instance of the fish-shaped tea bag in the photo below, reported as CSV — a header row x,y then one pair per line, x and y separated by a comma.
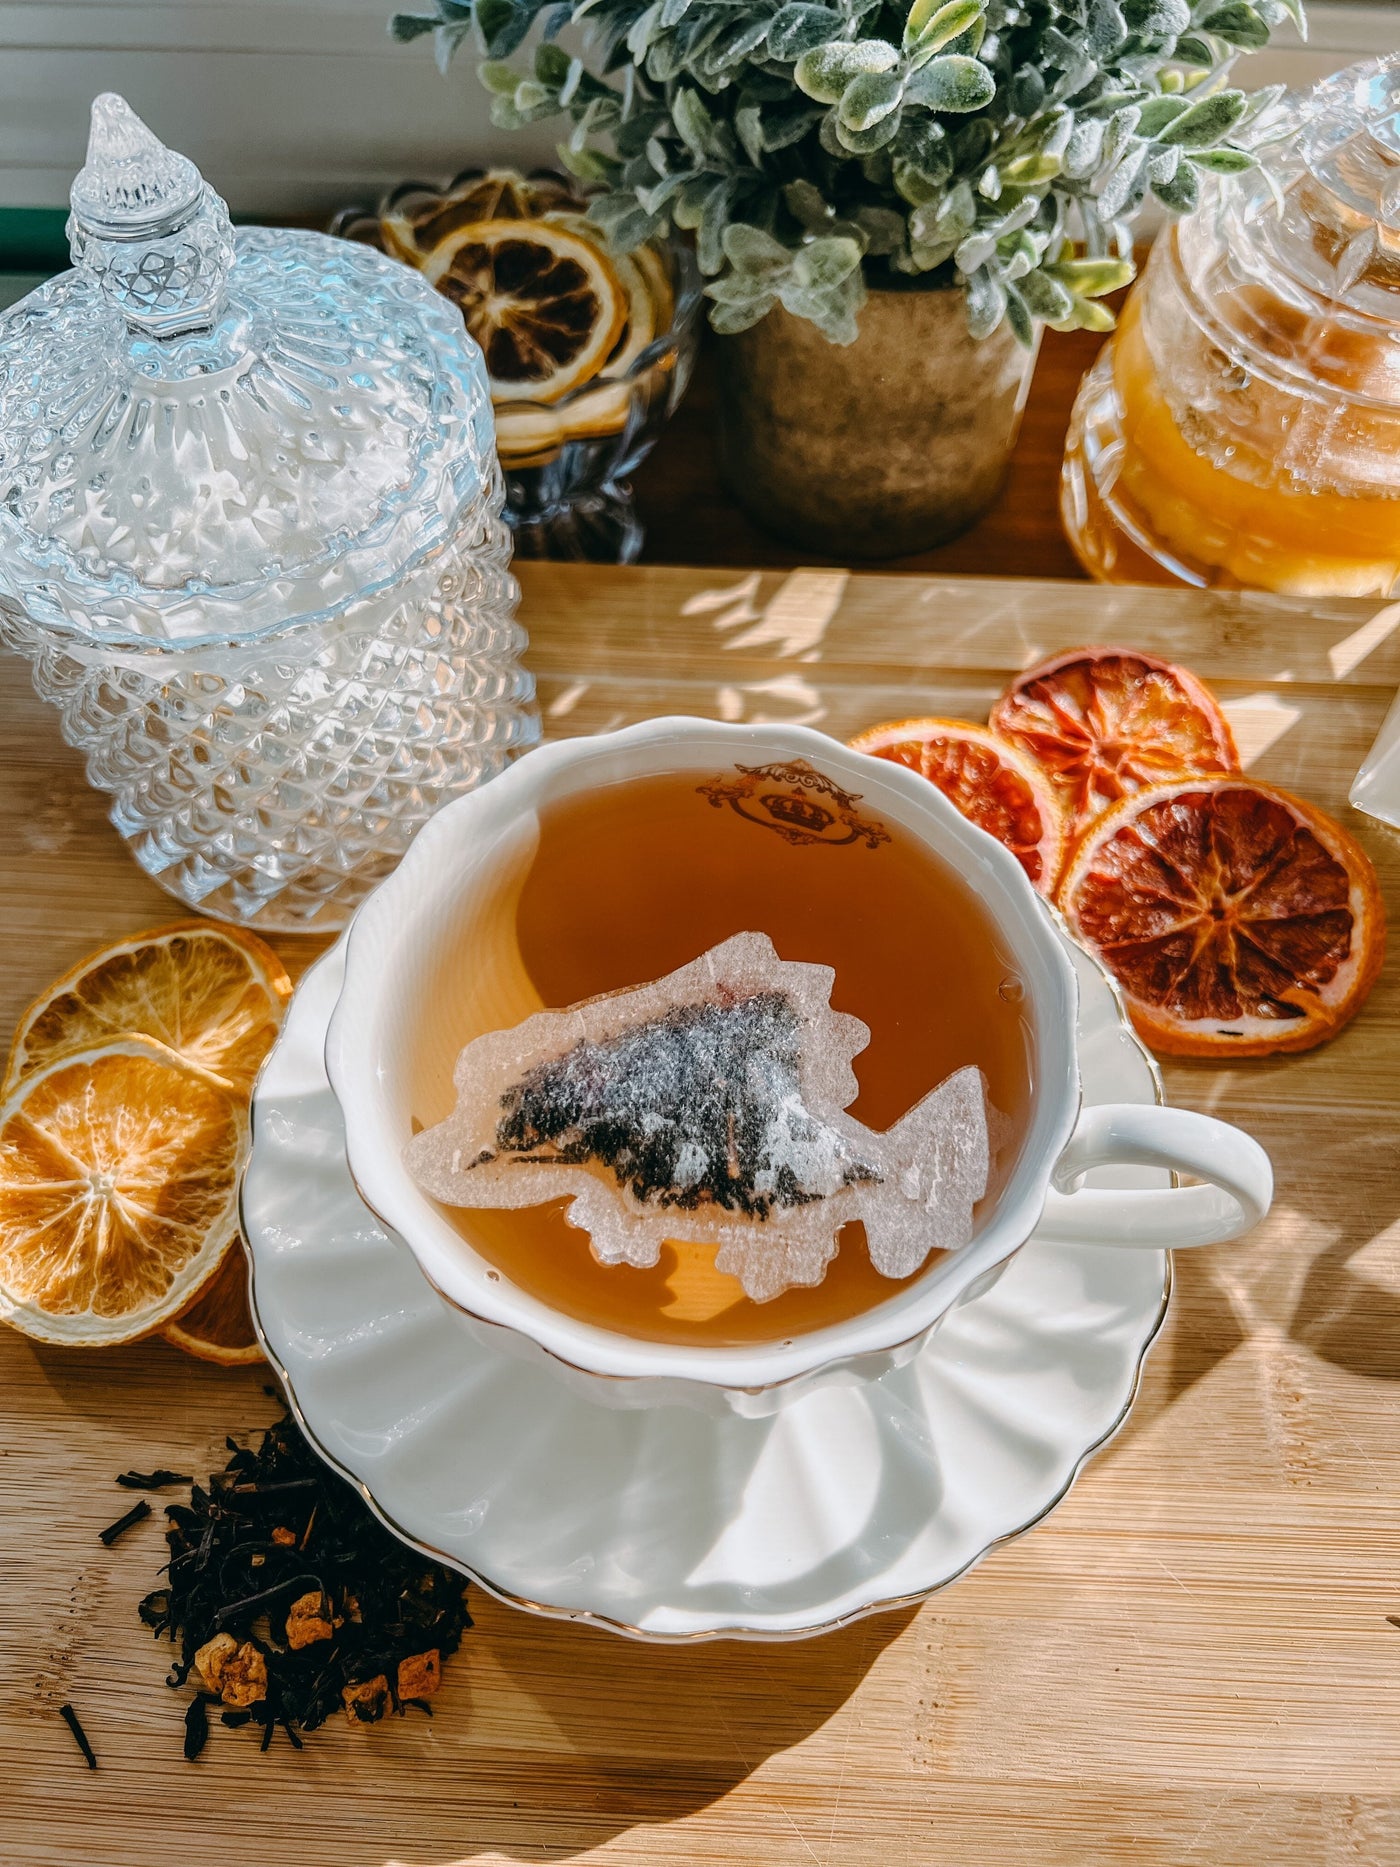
x,y
710,1105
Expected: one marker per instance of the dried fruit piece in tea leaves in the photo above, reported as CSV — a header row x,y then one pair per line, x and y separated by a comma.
x,y
290,1600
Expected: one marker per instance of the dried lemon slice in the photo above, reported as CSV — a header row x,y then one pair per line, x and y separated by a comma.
x,y
527,435
546,306
213,994
417,218
118,1192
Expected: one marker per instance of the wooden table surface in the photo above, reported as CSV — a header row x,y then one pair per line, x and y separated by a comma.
x,y
1189,1662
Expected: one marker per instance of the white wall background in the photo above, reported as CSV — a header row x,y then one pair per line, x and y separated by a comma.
x,y
300,105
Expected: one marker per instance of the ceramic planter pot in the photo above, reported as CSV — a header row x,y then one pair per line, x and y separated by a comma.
x,y
892,444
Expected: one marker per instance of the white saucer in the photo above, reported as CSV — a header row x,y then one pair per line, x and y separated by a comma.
x,y
671,1524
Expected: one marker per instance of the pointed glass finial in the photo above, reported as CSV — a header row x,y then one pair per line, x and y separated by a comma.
x,y
147,227
130,178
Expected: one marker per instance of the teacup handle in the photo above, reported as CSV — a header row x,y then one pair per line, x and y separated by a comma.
x,y
1241,1181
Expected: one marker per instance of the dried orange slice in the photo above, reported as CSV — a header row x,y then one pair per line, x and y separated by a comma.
x,y
993,785
1106,722
215,995
218,1325
118,1179
1239,920
545,305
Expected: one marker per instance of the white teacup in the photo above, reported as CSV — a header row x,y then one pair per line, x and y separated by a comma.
x,y
413,925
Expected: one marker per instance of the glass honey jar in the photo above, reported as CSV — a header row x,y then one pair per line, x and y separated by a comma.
x,y
1242,427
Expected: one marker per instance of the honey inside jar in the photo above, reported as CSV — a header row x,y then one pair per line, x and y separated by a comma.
x,y
1242,427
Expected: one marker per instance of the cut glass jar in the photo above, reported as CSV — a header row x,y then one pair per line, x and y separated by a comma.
x,y
251,540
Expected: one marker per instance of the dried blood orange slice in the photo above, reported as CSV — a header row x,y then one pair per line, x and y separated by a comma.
x,y
993,785
545,305
215,995
1239,920
218,1325
118,1174
1106,722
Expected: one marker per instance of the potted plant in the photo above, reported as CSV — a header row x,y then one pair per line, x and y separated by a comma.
x,y
888,203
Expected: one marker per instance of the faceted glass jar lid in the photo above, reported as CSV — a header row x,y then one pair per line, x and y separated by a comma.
x,y
206,433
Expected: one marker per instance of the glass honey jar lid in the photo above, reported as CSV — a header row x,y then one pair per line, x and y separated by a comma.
x,y
208,434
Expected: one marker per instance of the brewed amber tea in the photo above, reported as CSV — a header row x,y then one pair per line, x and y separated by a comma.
x,y
608,891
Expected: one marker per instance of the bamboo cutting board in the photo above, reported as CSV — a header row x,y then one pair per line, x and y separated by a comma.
x,y
1188,1663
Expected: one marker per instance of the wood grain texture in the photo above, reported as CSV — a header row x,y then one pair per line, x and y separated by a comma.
x,y
1189,1662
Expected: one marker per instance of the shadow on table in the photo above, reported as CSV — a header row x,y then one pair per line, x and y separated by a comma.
x,y
1323,1291
1343,1313
631,1735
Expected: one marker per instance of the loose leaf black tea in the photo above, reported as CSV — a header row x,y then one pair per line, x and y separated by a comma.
x,y
153,1481
290,1600
70,1718
137,1514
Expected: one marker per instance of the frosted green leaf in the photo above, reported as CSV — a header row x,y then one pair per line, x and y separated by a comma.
x,y
1222,161
824,263
797,29
866,142
782,128
1208,122
869,99
748,124
974,252
740,314
1091,278
408,26
688,211
833,313
1239,24
1030,171
589,165
916,185
750,250
883,229
694,122
951,83
806,203
1294,10
931,26
1123,182
1159,18
1019,318
1106,28
1122,128
1193,51
1181,193
551,65
1089,316
825,71
640,32
1158,112
986,304
499,79
1045,297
